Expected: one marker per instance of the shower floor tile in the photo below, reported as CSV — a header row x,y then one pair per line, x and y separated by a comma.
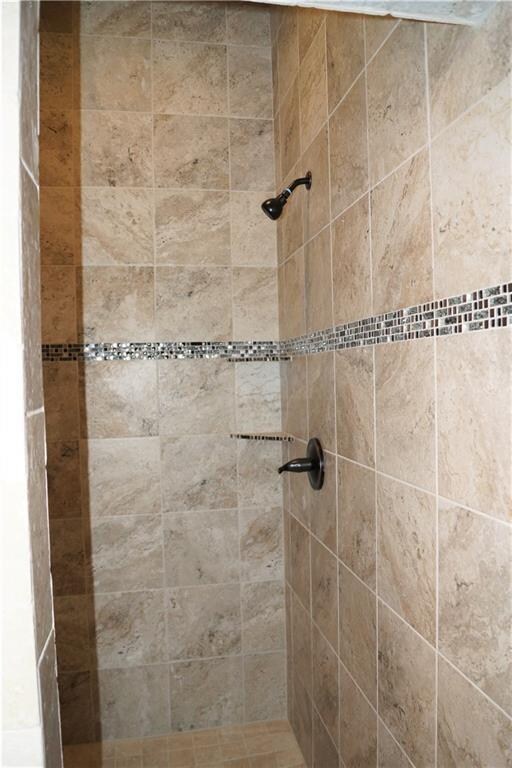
x,y
257,745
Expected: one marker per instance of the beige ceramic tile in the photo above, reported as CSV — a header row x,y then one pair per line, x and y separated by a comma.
x,y
114,226
300,631
251,154
197,21
114,149
351,264
404,386
287,51
56,219
63,478
302,720
258,397
358,632
248,25
309,22
325,751
130,19
397,109
356,519
313,90
253,235
318,282
402,237
52,737
75,695
250,81
377,28
258,482
201,548
407,553
190,303
294,321
348,149
289,123
316,201
407,687
321,406
345,53
324,591
56,148
321,505
265,686
358,725
295,422
191,151
56,71
61,400
300,561
475,595
121,476
390,754
255,303
189,78
325,683
118,399
354,405
471,731
263,621
58,310
67,557
28,85
261,544
475,377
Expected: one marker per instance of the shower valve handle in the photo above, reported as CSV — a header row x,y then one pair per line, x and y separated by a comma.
x,y
313,464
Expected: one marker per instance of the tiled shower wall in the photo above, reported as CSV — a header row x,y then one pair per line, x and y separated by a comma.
x,y
166,533
399,571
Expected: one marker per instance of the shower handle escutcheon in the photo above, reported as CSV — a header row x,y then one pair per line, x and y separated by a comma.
x,y
313,464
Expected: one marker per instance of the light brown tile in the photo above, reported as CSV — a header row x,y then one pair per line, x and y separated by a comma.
x,y
313,90
118,399
58,305
67,557
352,296
57,227
321,399
345,53
474,377
289,122
324,749
206,694
322,505
63,479
61,400
265,689
356,519
253,235
316,200
114,149
358,632
261,544
130,19
318,282
475,593
302,720
407,687
121,476
250,81
407,553
56,71
258,482
190,303
354,405
358,725
258,397
295,421
324,591
471,731
294,321
203,22
404,386
309,22
287,51
201,548
56,17
112,73
205,480
300,630
348,149
52,737
191,151
251,145
248,25
255,303
471,214
300,561
28,85
56,148
72,633
291,230
397,109
189,78
390,755
77,720
263,627
114,226
325,683
401,237
377,28
196,396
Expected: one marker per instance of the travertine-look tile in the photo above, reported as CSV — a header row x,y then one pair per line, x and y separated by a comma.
x,y
56,148
76,716
263,621
377,28
114,149
295,422
57,17
287,51
479,59
348,149
248,25
321,399
345,54
204,22
471,217
401,237
261,544
318,284
390,755
130,19
407,553
63,479
189,78
258,397
205,694
358,725
116,303
52,737
475,377
128,629
204,621
250,81
121,714
72,633
404,387
354,405
191,151
56,71
253,235
324,749
313,90
182,293
255,303
289,123
251,154
128,83
325,683
302,719
198,472
294,297
121,476
259,485
31,287
324,591
475,595
301,643
356,519
28,84
118,400
351,265
291,230
321,505
397,108
192,227
265,686
67,557
114,226
126,553
201,548
358,632
471,732
58,309
61,400
407,687
309,22
316,203
57,227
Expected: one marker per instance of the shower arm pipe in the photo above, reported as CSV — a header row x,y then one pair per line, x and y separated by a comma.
x,y
305,180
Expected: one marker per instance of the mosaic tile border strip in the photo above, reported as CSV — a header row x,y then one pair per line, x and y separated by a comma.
x,y
478,310
277,437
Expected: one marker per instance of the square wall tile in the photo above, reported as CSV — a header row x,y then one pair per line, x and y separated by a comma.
x,y
258,397
263,619
302,714
345,54
251,146
300,561
318,284
316,201
358,725
248,25
324,591
265,686
76,715
321,407
60,381
261,544
57,237
258,482
324,748
56,148
294,315
321,505
358,632
355,405
351,264
287,50
204,22
111,18
52,737
72,633
63,479
58,305
55,71
309,22
250,81
253,235
301,637
390,755
289,123
325,683
67,557
377,29
313,90
255,303
356,519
